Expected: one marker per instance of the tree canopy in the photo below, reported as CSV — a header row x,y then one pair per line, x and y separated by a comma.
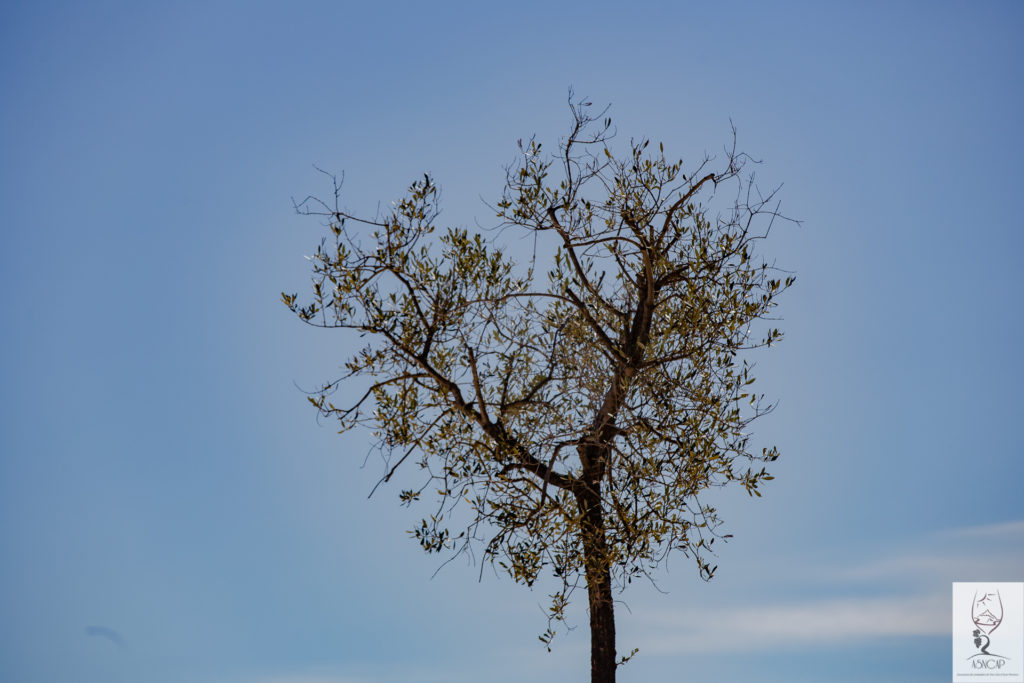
x,y
568,411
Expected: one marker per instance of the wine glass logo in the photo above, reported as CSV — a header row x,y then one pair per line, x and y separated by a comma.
x,y
987,613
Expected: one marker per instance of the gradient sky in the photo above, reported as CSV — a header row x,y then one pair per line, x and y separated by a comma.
x,y
170,510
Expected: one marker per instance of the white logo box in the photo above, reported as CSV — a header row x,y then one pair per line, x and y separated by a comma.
x,y
988,632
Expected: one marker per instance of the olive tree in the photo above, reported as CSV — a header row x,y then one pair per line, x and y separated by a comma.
x,y
566,412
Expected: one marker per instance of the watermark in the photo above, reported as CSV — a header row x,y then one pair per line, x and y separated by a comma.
x,y
988,632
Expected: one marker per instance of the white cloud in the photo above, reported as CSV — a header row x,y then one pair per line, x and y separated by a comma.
x,y
1004,529
309,678
993,552
796,625
908,595
312,679
387,675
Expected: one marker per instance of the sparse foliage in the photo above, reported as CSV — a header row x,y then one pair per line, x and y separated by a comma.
x,y
574,412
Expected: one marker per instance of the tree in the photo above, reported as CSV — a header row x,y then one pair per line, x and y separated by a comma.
x,y
568,418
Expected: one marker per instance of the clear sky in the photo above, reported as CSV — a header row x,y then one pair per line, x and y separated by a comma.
x,y
170,510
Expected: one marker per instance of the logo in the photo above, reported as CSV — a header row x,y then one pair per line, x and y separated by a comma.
x,y
987,614
988,632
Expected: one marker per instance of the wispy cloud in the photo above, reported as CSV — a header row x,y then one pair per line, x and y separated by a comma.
x,y
1005,529
795,625
304,678
105,633
993,552
393,675
902,595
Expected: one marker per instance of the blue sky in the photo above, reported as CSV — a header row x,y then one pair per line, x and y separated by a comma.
x,y
169,508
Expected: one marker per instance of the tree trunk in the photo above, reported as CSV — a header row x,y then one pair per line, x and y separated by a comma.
x,y
599,589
